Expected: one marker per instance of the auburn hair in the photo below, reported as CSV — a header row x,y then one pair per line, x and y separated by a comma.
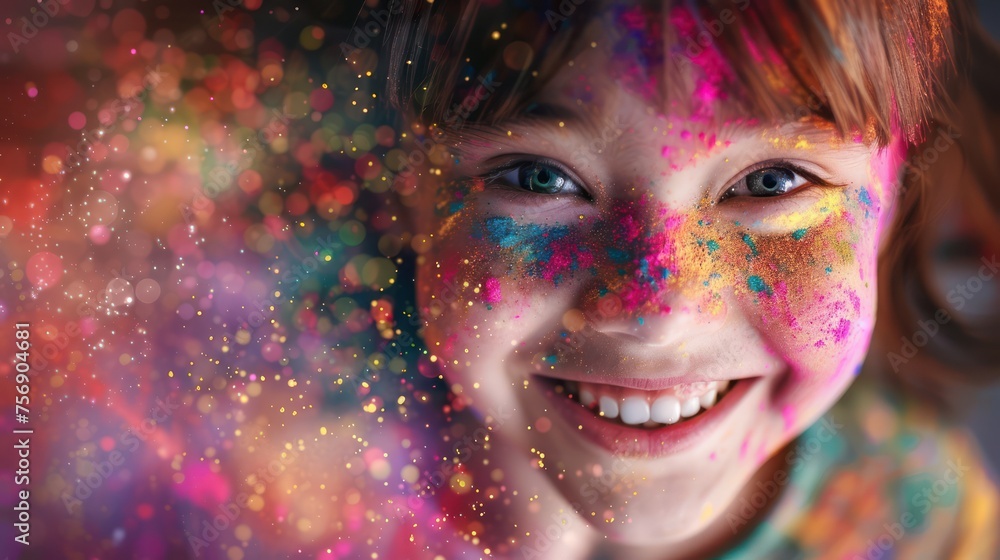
x,y
876,68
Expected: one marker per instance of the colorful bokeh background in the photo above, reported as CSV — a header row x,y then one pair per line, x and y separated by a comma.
x,y
198,220
201,219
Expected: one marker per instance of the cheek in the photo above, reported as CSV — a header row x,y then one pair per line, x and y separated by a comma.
x,y
810,291
804,282
807,285
487,279
494,262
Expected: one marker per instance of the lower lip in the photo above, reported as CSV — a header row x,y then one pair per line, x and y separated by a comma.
x,y
632,441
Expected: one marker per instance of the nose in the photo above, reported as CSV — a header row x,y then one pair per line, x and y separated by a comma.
x,y
683,342
671,322
655,290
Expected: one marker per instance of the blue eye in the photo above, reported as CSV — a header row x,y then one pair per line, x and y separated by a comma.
x,y
767,182
541,178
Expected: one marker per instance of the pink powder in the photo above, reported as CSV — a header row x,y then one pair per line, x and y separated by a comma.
x,y
842,330
491,291
788,416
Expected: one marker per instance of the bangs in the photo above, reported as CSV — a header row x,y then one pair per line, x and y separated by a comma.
x,y
872,68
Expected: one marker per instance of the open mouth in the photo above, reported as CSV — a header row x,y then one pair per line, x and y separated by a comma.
x,y
642,422
647,409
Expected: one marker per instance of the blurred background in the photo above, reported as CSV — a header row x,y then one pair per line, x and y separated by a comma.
x,y
196,221
986,415
196,216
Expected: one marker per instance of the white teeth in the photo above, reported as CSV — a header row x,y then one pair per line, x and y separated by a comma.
x,y
609,407
707,400
649,409
635,410
666,410
690,407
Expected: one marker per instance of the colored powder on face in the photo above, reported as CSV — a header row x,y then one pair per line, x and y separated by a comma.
x,y
842,330
451,196
540,251
617,256
758,285
855,302
788,417
750,243
864,198
491,291
712,76
638,52
648,252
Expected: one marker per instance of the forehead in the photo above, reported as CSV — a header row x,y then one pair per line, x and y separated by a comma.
x,y
849,63
634,60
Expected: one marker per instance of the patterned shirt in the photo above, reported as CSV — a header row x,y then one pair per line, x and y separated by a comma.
x,y
888,480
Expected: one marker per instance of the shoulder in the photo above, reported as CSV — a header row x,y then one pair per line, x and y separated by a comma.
x,y
899,477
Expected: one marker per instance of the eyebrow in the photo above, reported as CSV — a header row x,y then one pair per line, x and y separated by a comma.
x,y
543,112
551,111
540,113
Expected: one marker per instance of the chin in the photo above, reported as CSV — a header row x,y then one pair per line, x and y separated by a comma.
x,y
648,481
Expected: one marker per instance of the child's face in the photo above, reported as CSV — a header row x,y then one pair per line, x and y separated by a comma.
x,y
604,261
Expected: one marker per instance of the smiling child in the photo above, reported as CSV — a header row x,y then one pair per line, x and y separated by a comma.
x,y
676,234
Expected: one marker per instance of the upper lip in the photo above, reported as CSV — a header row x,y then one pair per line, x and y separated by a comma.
x,y
640,383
